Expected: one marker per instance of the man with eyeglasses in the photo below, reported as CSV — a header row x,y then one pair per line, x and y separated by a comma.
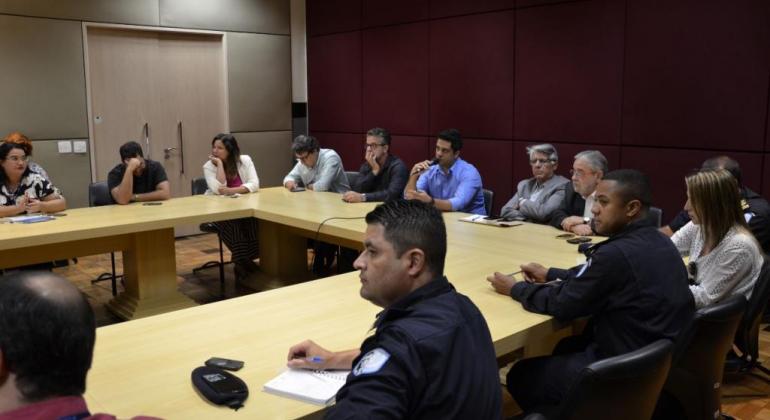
x,y
538,197
383,176
574,215
448,182
316,169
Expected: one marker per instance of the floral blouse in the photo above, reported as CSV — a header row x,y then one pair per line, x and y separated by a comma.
x,y
33,185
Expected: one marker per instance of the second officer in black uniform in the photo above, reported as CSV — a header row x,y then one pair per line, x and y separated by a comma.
x,y
431,355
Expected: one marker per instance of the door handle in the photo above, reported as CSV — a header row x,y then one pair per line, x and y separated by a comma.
x,y
147,137
181,147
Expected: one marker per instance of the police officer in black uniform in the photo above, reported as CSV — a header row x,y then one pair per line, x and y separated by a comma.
x,y
431,355
634,285
756,209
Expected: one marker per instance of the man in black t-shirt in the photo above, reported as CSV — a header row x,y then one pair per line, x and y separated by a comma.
x,y
137,178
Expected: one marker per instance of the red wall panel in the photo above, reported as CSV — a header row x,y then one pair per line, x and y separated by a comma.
x,y
493,160
444,8
395,78
569,60
349,146
667,168
696,74
378,12
334,82
329,16
412,149
471,75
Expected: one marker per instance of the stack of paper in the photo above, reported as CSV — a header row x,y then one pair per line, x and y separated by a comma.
x,y
312,386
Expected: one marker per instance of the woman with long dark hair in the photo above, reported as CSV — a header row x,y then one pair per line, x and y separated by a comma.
x,y
229,172
725,258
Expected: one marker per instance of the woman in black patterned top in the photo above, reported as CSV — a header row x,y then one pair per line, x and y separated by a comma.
x,y
21,189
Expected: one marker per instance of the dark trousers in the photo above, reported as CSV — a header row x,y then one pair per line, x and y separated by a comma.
x,y
544,381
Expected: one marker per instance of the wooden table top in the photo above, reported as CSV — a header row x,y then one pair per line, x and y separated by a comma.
x,y
143,366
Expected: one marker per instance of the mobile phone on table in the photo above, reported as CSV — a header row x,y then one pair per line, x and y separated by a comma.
x,y
222,363
297,189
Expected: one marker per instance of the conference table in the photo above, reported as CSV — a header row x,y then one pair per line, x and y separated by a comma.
x,y
144,366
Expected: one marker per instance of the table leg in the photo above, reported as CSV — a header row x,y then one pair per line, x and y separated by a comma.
x,y
149,270
282,253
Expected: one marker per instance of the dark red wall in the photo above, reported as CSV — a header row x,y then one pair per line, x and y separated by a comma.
x,y
656,85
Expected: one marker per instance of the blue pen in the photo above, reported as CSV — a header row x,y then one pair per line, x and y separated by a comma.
x,y
315,359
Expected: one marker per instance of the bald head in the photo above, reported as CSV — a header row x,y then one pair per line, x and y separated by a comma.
x,y
47,334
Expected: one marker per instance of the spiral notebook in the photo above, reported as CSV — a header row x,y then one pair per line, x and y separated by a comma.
x,y
312,386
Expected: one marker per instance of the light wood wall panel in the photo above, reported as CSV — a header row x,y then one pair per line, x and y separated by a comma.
x,y
271,153
137,12
264,16
259,73
42,79
70,172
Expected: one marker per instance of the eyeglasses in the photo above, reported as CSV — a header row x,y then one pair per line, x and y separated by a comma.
x,y
539,161
373,145
18,158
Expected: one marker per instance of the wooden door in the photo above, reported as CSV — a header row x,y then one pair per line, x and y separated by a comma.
x,y
170,83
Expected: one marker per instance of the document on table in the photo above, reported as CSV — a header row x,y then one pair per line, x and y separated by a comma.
x,y
475,218
31,218
312,386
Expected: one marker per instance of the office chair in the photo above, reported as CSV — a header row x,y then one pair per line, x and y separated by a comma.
x,y
627,384
693,388
747,337
99,195
199,186
352,177
489,200
655,216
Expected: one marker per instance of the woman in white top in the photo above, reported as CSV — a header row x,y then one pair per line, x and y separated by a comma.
x,y
725,259
229,172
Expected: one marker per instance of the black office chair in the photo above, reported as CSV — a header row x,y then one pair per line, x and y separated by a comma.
x,y
655,216
693,388
627,384
352,177
747,337
199,186
99,195
489,200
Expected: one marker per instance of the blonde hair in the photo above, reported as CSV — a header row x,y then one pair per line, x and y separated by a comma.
x,y
715,198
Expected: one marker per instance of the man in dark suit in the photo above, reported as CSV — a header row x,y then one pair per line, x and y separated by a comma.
x,y
574,215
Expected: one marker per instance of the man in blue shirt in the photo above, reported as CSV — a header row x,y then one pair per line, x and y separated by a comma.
x,y
447,182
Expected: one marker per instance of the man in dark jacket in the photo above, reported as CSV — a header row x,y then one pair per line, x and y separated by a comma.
x,y
633,285
431,356
383,176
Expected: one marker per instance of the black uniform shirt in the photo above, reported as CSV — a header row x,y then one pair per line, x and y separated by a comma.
x,y
431,357
634,284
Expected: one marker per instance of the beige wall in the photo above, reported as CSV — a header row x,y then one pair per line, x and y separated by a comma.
x,y
43,78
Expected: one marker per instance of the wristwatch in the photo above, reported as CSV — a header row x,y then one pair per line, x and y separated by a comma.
x,y
587,220
363,197
134,197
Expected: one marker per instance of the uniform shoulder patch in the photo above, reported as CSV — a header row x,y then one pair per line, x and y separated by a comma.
x,y
372,362
584,268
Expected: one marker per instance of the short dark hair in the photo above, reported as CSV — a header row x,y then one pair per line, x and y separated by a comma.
x,y
130,150
452,135
46,341
633,185
381,133
303,143
724,162
6,148
413,224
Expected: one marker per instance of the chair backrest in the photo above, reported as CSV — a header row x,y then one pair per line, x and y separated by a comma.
x,y
655,216
198,185
489,200
699,357
99,194
747,336
352,177
629,383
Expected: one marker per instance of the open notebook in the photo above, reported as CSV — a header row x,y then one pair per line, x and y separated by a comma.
x,y
312,386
